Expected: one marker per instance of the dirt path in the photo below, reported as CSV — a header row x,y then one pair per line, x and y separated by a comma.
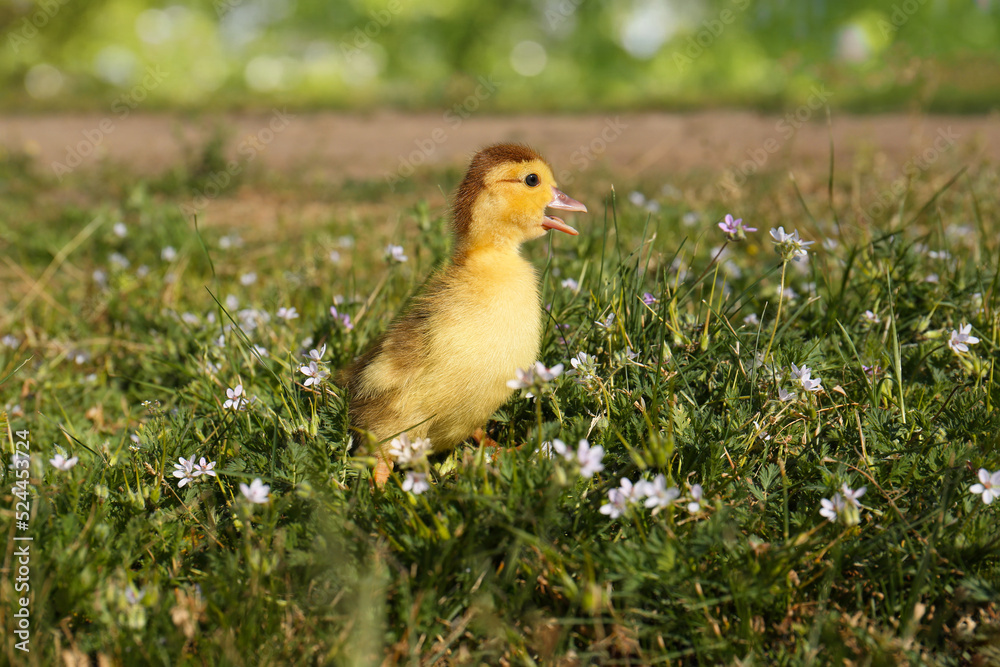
x,y
384,145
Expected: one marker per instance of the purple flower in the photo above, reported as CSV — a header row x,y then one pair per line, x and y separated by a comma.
x,y
343,318
735,230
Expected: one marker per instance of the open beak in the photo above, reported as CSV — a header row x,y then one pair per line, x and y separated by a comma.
x,y
562,201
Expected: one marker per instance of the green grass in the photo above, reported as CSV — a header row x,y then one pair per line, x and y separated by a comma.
x,y
507,559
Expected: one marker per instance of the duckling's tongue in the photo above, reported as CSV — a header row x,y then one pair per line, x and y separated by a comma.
x,y
552,222
562,201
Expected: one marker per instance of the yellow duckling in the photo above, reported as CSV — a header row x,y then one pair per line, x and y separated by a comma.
x,y
441,368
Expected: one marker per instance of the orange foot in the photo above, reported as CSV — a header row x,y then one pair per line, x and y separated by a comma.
x,y
383,468
483,439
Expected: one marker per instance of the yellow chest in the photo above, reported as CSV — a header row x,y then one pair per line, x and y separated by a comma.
x,y
492,321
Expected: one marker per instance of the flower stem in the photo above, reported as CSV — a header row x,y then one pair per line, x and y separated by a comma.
x,y
777,317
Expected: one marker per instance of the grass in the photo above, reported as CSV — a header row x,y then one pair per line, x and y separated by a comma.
x,y
507,558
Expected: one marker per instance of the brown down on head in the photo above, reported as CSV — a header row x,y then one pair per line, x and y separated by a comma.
x,y
475,179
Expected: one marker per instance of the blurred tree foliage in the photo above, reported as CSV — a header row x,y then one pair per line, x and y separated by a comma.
x,y
553,54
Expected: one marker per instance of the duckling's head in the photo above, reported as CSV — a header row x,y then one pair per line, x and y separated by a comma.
x,y
501,201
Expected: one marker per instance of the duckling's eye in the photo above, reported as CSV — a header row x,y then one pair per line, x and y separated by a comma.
x,y
531,180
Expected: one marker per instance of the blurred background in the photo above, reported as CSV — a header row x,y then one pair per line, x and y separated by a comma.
x,y
551,55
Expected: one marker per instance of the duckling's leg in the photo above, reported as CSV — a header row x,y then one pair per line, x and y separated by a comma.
x,y
483,439
383,468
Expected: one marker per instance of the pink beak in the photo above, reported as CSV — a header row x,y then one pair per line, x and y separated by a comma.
x,y
562,201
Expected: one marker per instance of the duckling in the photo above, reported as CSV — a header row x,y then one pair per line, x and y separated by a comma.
x,y
441,368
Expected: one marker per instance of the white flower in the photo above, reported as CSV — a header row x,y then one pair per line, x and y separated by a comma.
x,y
184,471
870,317
632,493
961,339
248,279
415,482
589,458
235,399
405,452
616,504
571,285
832,507
317,355
803,376
119,260
396,253
314,374
134,595
335,256
763,435
637,198
790,246
584,367
785,395
120,230
696,499
844,507
62,463
288,313
812,384
230,241
607,323
557,446
619,499
851,497
657,493
20,460
524,379
988,487
751,320
168,254
204,467
257,492
547,374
